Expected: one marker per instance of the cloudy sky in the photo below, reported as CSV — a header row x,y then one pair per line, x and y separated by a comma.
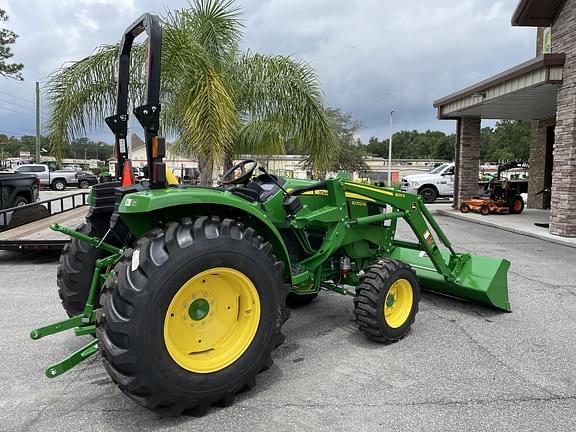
x,y
372,56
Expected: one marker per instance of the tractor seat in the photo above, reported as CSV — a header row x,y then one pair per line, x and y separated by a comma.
x,y
251,192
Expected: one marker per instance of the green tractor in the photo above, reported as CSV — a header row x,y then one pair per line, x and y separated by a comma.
x,y
185,288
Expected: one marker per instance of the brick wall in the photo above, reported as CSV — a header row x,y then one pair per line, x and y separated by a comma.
x,y
536,175
563,206
469,158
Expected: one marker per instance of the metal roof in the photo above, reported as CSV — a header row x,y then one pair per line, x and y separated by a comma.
x,y
524,92
536,13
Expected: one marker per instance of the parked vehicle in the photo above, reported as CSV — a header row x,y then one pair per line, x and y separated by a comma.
x,y
437,183
85,180
56,179
18,189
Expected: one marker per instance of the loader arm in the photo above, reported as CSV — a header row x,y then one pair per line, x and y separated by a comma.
x,y
442,270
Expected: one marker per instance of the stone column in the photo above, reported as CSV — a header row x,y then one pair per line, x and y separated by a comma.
x,y
563,206
455,200
538,162
468,159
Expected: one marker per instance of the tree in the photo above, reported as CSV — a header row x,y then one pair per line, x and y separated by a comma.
x,y
509,139
415,145
346,128
351,153
218,101
7,38
351,159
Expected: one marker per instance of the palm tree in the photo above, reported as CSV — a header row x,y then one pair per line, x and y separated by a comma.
x,y
217,101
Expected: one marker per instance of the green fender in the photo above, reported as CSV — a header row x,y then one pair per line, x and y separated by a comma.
x,y
142,211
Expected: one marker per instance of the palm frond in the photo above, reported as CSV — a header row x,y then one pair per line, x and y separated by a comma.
x,y
287,90
214,24
83,93
208,117
261,137
198,103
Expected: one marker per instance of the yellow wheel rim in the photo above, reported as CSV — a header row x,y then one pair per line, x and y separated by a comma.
x,y
398,303
212,320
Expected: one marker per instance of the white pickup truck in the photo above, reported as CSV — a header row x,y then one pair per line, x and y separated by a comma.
x,y
437,183
56,179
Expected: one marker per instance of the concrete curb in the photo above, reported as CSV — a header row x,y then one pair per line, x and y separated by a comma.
x,y
550,239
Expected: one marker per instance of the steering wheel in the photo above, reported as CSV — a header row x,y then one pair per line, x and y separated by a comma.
x,y
228,178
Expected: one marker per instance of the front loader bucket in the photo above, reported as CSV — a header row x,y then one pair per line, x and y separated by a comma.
x,y
481,279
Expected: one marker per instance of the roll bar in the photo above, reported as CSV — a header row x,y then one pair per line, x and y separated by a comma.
x,y
148,114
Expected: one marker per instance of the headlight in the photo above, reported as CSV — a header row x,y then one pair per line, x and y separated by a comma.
x,y
413,183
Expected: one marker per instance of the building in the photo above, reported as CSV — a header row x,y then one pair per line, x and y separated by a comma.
x,y
173,161
542,90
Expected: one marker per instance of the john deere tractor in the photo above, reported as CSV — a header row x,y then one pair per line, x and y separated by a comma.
x,y
185,288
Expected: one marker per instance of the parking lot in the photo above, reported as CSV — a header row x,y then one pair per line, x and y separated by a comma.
x,y
462,367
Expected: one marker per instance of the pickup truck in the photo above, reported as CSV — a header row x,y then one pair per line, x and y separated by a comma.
x,y
56,179
436,183
18,189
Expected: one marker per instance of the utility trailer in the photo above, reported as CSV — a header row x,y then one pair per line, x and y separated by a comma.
x,y
28,227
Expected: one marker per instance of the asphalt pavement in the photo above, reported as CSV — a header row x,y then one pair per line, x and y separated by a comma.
x,y
462,367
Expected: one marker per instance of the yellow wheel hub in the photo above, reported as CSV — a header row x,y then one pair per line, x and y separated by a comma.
x,y
212,320
398,303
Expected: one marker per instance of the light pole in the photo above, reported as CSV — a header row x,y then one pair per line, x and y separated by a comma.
x,y
390,151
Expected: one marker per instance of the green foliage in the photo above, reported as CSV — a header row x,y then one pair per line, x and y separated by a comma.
x,y
350,156
217,101
346,128
415,145
7,38
12,146
510,139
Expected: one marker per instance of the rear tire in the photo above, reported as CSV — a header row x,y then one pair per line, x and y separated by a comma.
x,y
59,184
484,210
517,205
74,275
84,184
386,301
141,307
428,194
464,208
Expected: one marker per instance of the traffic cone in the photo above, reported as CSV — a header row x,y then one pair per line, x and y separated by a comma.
x,y
127,174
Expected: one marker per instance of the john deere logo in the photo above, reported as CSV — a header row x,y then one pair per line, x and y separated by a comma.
x,y
413,206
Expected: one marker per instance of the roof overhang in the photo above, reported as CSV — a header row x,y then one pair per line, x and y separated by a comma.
x,y
524,92
537,13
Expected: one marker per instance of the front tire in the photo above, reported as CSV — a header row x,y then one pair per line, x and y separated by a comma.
x,y
84,184
386,301
192,315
